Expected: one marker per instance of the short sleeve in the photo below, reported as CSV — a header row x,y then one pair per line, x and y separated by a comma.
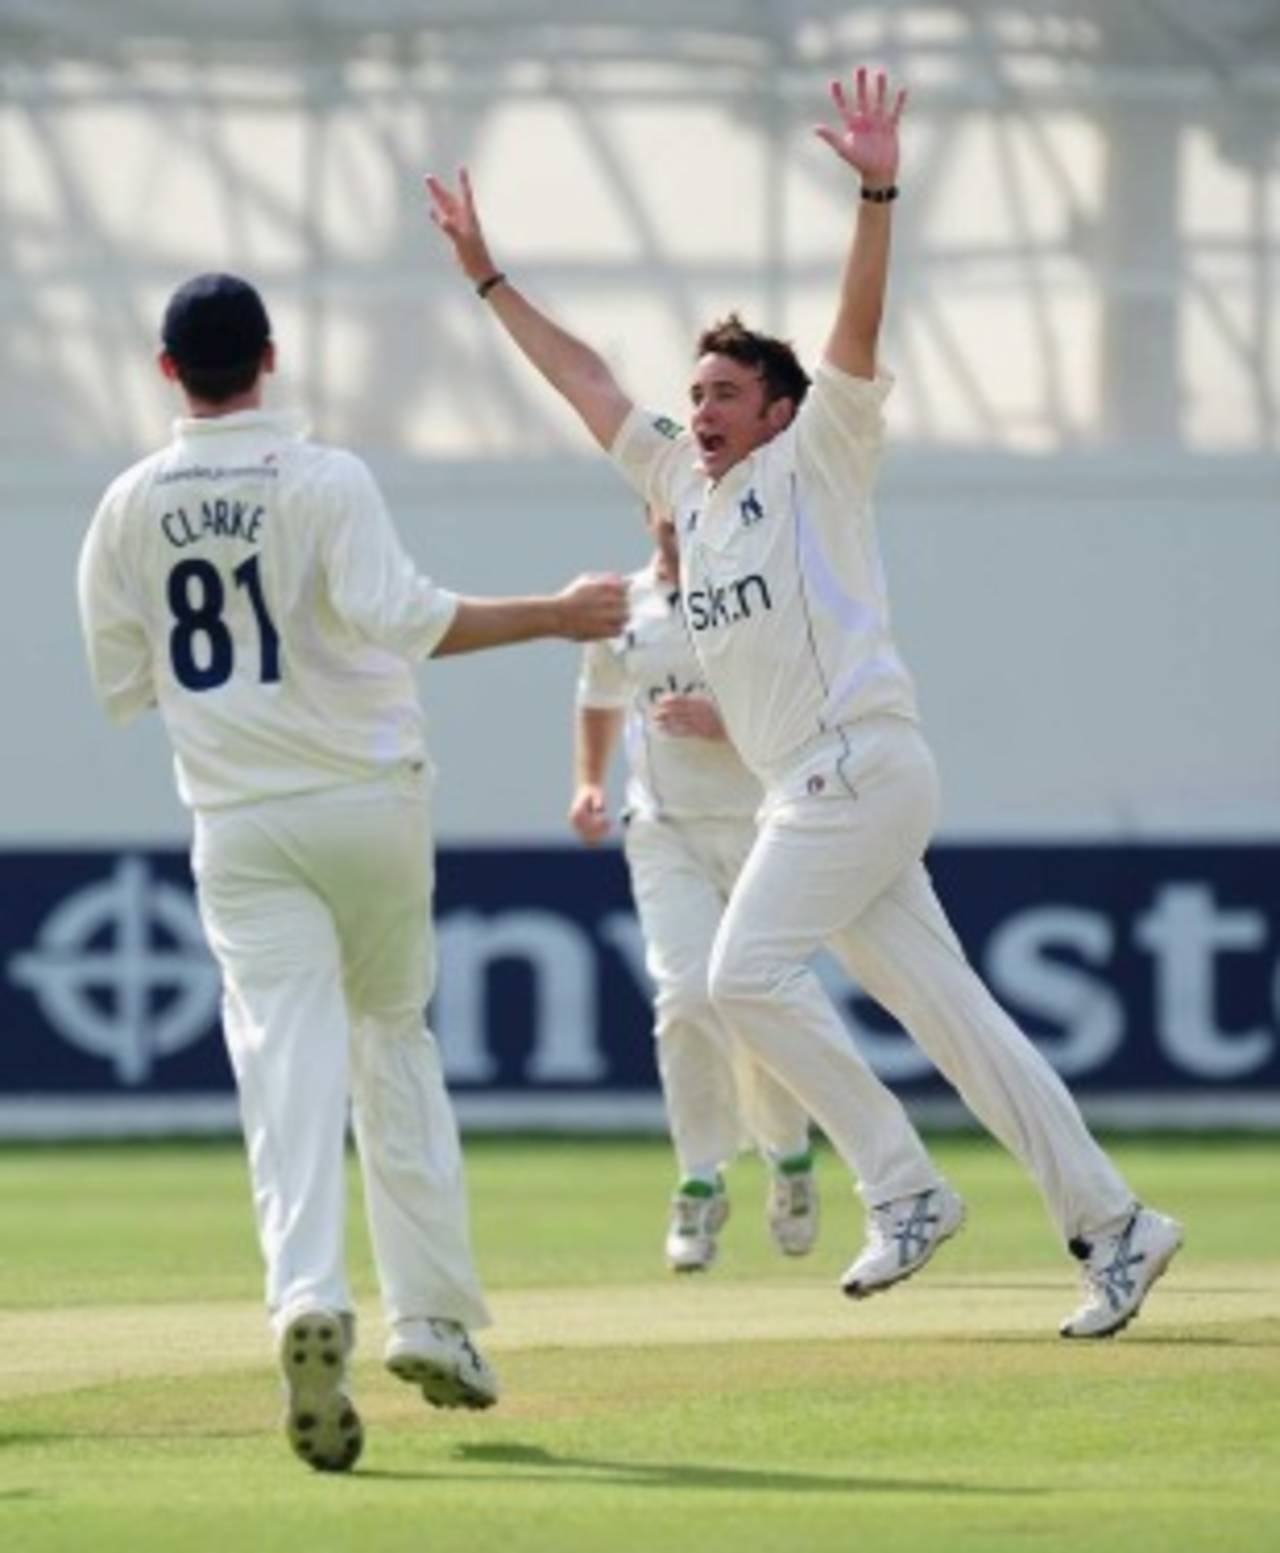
x,y
114,633
840,427
373,585
602,678
655,455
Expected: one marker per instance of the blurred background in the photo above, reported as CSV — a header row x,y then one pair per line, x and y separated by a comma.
x,y
1079,507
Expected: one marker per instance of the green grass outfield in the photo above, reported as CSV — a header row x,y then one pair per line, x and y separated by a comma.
x,y
750,1409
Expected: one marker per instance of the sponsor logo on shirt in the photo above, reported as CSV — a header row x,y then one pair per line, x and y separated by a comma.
x,y
218,471
672,686
666,427
725,605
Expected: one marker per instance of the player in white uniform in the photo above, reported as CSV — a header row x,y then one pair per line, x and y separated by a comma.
x,y
250,584
785,599
689,824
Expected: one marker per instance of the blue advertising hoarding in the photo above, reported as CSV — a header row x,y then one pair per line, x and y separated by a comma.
x,y
1149,975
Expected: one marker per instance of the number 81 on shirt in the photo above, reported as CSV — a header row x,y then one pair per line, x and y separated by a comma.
x,y
201,647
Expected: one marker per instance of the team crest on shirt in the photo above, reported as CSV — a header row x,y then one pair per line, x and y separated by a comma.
x,y
666,427
750,509
691,522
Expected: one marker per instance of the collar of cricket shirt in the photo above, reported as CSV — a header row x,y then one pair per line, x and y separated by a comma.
x,y
288,423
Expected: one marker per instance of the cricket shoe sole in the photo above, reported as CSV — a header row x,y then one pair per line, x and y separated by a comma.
x,y
321,1421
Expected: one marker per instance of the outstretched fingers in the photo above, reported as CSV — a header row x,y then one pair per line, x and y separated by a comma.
x,y
866,132
440,198
870,101
452,212
828,136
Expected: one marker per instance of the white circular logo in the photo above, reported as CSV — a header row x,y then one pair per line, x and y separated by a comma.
x,y
121,970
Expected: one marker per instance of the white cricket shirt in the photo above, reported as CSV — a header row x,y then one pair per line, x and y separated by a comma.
x,y
250,583
669,776
783,588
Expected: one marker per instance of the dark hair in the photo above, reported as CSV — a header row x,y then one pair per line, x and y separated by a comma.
x,y
215,385
775,360
216,329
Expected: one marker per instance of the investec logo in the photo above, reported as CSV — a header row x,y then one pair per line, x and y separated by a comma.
x,y
120,969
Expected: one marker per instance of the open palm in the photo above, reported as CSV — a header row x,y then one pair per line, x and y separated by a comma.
x,y
867,137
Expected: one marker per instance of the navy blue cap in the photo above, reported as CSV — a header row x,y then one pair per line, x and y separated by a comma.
x,y
215,322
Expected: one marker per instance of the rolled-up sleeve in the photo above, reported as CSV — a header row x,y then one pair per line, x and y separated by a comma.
x,y
655,455
373,585
841,425
602,679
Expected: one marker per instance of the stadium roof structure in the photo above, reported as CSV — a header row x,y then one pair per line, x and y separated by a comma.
x,y
1107,131
1237,37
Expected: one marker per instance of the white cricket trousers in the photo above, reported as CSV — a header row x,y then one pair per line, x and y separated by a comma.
x,y
837,863
317,908
716,1094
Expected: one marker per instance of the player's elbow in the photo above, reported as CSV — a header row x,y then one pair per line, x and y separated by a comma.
x,y
599,401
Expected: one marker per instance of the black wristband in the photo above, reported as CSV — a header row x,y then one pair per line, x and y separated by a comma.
x,y
485,286
880,196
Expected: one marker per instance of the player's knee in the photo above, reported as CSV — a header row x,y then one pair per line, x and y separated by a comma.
x,y
387,1027
681,1003
737,977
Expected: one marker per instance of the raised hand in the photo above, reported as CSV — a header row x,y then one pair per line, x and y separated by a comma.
x,y
867,136
454,212
570,365
593,606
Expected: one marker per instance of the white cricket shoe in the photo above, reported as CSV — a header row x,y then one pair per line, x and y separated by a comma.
x,y
902,1236
791,1209
697,1217
439,1356
1118,1272
323,1426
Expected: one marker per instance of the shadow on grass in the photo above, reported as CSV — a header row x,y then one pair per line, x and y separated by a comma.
x,y
16,1438
1067,1289
1046,1285
639,1474
1138,1339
